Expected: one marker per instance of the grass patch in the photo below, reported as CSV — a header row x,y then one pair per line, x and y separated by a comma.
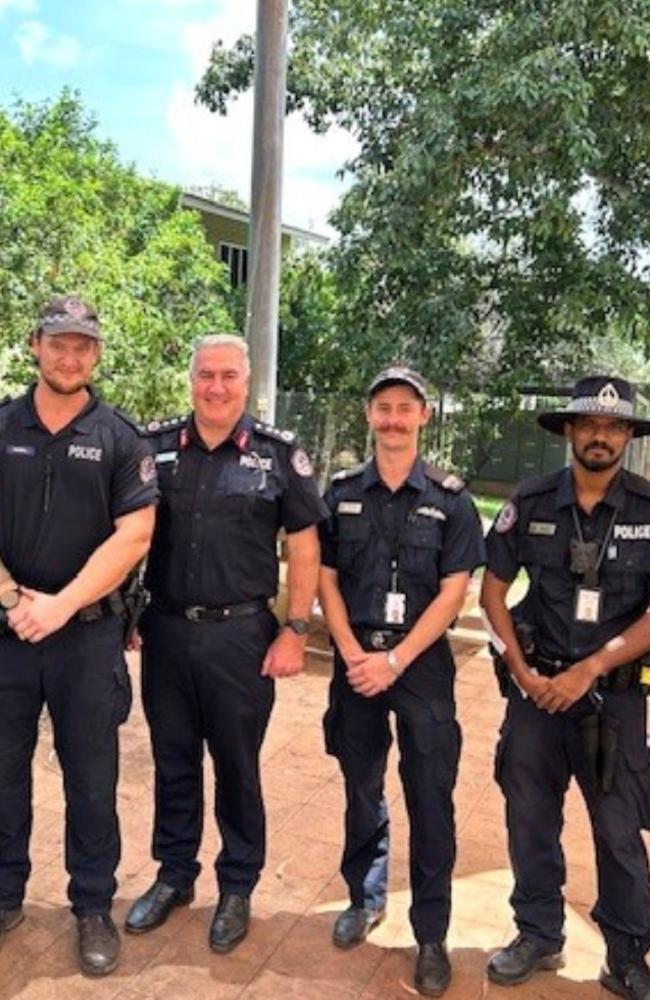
x,y
488,506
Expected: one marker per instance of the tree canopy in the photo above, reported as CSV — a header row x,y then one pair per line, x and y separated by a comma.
x,y
73,218
499,215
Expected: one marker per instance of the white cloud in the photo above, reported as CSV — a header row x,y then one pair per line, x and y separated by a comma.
x,y
24,6
37,44
214,149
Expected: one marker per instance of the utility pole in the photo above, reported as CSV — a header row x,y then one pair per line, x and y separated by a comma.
x,y
266,201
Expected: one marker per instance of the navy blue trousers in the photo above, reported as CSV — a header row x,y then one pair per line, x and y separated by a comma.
x,y
201,684
80,673
536,757
357,732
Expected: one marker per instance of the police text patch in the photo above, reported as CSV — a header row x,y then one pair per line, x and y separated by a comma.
x,y
85,452
631,532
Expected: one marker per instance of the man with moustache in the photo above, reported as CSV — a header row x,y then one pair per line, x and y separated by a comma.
x,y
211,645
398,549
575,706
77,488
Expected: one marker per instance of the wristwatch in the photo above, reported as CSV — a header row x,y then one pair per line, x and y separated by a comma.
x,y
9,598
298,625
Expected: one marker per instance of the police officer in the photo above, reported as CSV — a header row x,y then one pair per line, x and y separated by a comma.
x,y
78,487
398,549
211,646
575,706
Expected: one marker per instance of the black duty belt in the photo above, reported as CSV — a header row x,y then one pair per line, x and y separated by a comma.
x,y
547,667
619,679
378,638
112,604
197,613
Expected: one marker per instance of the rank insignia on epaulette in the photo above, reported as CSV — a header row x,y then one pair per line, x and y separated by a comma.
x,y
453,483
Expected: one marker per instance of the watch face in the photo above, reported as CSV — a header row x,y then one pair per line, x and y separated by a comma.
x,y
9,599
299,625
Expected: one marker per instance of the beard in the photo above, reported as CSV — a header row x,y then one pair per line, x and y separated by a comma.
x,y
64,388
592,464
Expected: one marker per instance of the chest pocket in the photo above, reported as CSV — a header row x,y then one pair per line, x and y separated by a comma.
x,y
419,554
546,563
629,573
353,537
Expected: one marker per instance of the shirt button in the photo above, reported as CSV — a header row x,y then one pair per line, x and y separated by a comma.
x,y
202,486
197,515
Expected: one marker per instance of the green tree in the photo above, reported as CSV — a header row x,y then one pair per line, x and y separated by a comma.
x,y
499,215
74,218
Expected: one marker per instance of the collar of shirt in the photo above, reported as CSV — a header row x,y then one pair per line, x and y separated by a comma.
x,y
240,435
415,479
82,423
565,493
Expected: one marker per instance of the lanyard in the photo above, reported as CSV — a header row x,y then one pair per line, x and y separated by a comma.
x,y
590,574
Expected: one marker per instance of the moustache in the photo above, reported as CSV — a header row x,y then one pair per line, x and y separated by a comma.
x,y
600,445
397,428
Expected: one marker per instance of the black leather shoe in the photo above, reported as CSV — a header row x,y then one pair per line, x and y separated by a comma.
x,y
230,922
152,909
432,970
354,925
520,960
10,919
99,944
631,980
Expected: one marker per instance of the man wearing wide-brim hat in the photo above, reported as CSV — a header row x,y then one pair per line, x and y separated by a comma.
x,y
569,661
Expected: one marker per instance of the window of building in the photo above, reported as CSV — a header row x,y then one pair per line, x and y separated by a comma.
x,y
236,259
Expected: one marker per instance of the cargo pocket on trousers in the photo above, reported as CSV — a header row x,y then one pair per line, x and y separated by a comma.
x,y
123,691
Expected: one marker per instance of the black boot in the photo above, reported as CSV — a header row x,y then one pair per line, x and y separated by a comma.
x,y
152,909
99,944
354,925
432,970
520,960
230,922
626,973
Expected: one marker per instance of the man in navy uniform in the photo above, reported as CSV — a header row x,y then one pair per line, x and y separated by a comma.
x,y
78,488
211,645
575,705
397,550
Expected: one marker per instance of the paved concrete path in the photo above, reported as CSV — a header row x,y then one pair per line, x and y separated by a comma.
x,y
288,953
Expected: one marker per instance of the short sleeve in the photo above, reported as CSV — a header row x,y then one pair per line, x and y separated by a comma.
x,y
326,532
463,547
134,483
502,549
302,504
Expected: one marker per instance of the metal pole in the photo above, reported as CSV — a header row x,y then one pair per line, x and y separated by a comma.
x,y
266,201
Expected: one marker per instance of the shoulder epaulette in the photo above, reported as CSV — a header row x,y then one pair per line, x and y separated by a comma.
x,y
287,437
128,419
538,484
155,427
356,470
637,484
447,480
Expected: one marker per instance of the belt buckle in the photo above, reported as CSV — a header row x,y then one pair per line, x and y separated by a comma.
x,y
377,639
193,614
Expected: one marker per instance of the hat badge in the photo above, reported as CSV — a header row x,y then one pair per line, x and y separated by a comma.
x,y
75,308
608,397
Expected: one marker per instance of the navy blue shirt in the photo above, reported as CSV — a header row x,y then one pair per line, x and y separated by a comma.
x,y
220,512
431,529
61,493
534,530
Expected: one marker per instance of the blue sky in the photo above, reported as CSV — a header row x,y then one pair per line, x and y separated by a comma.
x,y
136,63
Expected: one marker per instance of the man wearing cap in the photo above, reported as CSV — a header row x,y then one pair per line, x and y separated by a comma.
x,y
212,648
78,489
575,706
397,552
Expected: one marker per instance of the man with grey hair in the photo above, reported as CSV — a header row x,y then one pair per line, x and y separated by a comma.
x,y
211,647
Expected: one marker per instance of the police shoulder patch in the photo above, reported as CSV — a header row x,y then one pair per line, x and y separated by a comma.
x,y
287,437
507,518
447,480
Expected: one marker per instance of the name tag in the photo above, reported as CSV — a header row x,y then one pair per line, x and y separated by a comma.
x,y
546,528
166,456
349,507
21,449
587,606
434,512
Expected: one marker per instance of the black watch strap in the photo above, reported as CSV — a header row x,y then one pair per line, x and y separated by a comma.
x,y
298,625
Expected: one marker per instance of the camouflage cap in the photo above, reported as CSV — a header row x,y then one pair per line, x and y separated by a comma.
x,y
398,375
